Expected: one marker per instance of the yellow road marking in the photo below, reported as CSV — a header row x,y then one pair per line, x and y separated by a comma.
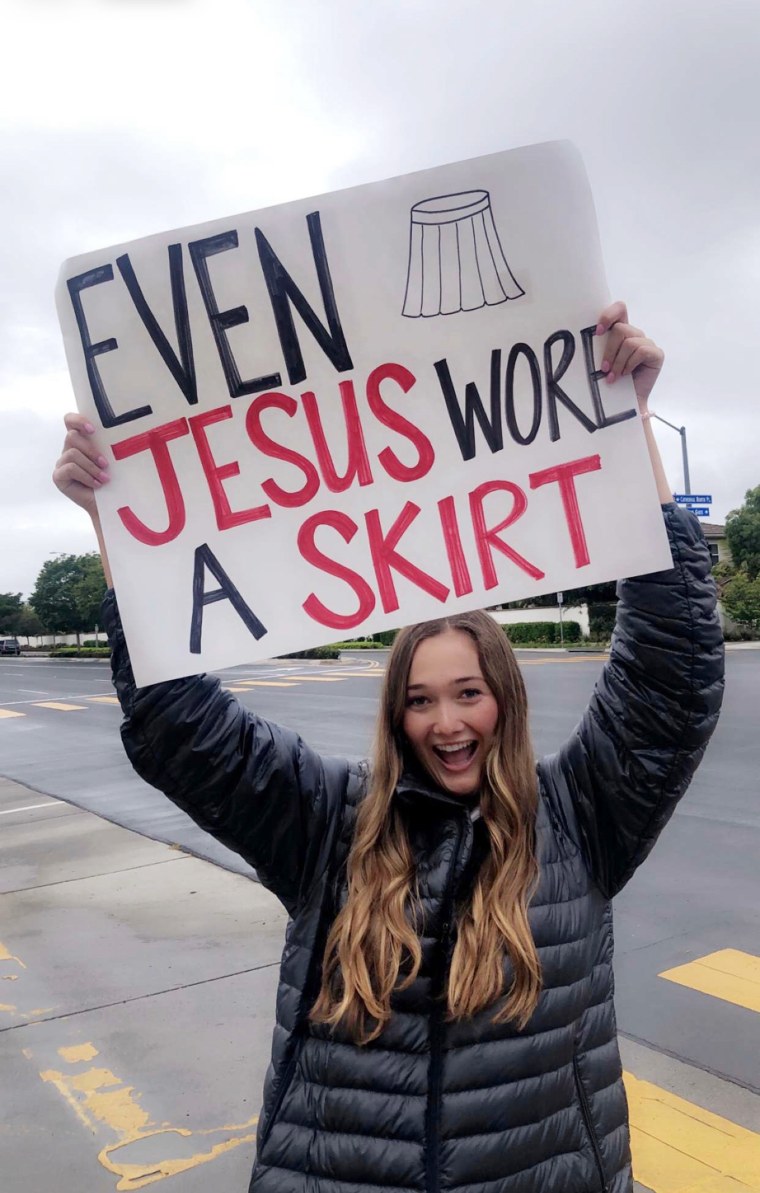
x,y
377,674
317,678
5,955
680,1148
103,699
230,689
59,707
100,1099
728,974
78,1052
10,712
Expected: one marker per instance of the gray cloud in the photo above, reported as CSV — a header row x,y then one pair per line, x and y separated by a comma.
x,y
146,117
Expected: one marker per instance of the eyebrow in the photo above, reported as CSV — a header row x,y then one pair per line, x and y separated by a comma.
x,y
462,679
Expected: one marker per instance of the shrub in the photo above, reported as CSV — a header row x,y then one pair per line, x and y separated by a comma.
x,y
385,637
313,652
601,621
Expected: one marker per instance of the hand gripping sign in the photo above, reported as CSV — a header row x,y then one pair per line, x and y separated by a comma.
x,y
298,458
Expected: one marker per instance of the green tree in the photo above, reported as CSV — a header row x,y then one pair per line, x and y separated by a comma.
x,y
90,590
743,533
741,599
29,623
10,611
68,592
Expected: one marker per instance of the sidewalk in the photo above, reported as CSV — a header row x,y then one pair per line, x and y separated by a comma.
x,y
137,990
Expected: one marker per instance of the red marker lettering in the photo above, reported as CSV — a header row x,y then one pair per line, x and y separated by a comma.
x,y
396,422
488,540
385,557
564,475
312,606
276,451
156,442
357,465
216,473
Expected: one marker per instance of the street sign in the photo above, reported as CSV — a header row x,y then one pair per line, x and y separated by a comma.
x,y
702,511
692,499
560,598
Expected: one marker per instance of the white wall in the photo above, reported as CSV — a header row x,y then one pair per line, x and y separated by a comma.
x,y
577,613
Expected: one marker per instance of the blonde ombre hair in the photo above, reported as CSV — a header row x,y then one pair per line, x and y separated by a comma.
x,y
374,935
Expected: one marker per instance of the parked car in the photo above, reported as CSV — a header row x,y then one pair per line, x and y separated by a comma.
x,y
10,646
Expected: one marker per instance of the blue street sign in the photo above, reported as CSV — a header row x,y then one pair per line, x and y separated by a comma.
x,y
692,499
702,511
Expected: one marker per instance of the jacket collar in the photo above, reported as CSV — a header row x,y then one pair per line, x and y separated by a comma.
x,y
414,787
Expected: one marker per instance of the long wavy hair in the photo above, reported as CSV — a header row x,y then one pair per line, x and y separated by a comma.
x,y
373,947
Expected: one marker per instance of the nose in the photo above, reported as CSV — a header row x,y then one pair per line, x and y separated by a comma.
x,y
448,720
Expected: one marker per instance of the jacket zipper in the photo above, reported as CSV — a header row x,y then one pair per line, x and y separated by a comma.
x,y
586,1112
435,1079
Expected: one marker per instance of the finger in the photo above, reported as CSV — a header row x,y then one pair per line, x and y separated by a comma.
x,y
648,355
73,421
615,339
616,312
621,363
77,441
70,473
84,464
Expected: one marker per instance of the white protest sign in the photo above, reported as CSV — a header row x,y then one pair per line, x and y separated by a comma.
x,y
356,411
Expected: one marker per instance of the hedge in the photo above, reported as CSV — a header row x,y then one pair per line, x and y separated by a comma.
x,y
542,633
313,652
80,652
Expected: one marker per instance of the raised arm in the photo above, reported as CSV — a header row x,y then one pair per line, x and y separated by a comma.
x,y
652,713
617,780
253,785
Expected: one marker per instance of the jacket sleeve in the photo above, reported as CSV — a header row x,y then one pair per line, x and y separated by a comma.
x,y
255,786
617,780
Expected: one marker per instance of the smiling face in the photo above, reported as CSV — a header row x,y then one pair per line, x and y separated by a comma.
x,y
451,714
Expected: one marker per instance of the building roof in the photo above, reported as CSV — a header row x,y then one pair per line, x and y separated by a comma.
x,y
714,530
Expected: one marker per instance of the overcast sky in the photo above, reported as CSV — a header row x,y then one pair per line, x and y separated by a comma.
x,y
119,118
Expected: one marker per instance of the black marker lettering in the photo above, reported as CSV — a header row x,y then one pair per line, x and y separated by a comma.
x,y
283,291
83,281
594,376
205,558
554,391
464,425
222,321
182,370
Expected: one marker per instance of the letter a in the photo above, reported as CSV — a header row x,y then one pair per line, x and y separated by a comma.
x,y
205,558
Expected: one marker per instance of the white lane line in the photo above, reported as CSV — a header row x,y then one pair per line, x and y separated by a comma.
x,y
35,691
67,696
28,808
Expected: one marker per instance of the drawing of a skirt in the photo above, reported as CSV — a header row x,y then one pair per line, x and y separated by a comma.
x,y
456,262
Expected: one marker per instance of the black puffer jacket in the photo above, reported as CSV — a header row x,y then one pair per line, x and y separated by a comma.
x,y
432,1105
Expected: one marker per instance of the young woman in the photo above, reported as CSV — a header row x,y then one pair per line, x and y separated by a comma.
x,y
445,1017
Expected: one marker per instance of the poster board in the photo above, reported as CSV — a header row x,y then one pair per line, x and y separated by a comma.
x,y
356,411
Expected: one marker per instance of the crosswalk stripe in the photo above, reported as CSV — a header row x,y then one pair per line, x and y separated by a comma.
x,y
54,704
678,1147
728,974
10,712
103,699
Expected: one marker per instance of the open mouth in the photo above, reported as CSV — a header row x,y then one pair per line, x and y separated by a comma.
x,y
457,756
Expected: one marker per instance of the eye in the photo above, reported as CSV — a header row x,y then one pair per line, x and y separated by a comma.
x,y
471,693
416,701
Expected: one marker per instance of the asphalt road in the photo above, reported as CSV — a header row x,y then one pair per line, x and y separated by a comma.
x,y
696,898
